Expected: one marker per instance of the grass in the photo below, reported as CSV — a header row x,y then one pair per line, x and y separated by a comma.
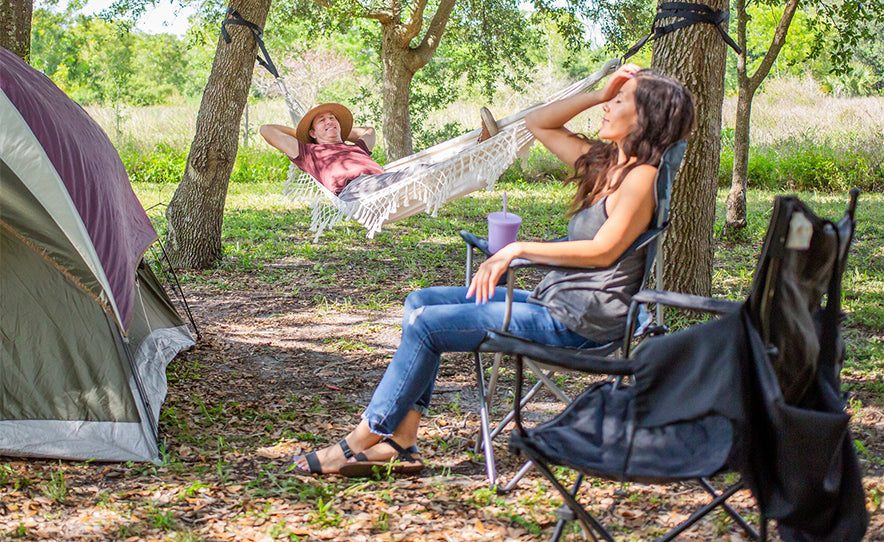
x,y
265,235
212,481
801,138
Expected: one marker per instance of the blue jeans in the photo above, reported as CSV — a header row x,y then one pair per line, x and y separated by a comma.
x,y
441,319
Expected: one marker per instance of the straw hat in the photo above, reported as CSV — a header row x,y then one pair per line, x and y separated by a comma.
x,y
345,118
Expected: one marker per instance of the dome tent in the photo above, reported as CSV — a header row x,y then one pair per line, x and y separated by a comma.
x,y
86,329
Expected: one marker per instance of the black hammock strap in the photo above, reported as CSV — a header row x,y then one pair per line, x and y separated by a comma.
x,y
685,14
233,17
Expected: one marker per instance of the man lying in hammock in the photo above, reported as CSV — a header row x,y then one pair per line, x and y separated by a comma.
x,y
335,153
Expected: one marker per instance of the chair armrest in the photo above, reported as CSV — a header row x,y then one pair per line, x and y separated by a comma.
x,y
687,301
474,241
574,359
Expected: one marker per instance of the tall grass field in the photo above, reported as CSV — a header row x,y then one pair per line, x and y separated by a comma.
x,y
801,138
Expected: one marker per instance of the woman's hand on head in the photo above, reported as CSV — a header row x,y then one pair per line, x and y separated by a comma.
x,y
485,278
623,74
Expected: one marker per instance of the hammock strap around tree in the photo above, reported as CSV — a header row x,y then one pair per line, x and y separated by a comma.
x,y
685,14
296,111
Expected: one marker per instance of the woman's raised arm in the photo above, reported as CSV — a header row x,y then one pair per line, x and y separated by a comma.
x,y
547,123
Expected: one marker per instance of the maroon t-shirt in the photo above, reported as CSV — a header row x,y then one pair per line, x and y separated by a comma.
x,y
336,164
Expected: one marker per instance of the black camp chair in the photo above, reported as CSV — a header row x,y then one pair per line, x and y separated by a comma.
x,y
639,321
755,391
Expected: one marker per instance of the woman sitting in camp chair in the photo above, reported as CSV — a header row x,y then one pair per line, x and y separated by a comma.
x,y
644,113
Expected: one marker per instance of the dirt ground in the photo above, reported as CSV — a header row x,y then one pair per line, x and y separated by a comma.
x,y
275,373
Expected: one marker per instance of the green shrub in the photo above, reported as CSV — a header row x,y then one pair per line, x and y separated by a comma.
x,y
165,164
162,164
801,164
259,166
541,165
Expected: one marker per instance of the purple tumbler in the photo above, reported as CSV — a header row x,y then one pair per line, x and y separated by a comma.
x,y
503,229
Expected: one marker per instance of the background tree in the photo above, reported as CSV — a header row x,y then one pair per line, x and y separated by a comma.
x,y
839,28
195,213
747,85
100,61
15,27
696,56
485,41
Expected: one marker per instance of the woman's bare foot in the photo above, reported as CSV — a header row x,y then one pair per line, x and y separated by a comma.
x,y
384,451
329,459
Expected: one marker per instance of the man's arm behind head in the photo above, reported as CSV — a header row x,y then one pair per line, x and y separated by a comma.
x,y
281,137
365,133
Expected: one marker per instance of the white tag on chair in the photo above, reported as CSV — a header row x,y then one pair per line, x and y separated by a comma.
x,y
800,232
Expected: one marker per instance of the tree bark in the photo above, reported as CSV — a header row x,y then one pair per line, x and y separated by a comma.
x,y
15,27
400,61
696,56
735,216
396,77
196,211
735,204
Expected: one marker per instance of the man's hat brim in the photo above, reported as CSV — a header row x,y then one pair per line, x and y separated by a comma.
x,y
345,119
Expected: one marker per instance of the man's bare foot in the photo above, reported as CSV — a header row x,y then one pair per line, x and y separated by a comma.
x,y
489,125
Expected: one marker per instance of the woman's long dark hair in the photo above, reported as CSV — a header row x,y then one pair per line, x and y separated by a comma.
x,y
665,111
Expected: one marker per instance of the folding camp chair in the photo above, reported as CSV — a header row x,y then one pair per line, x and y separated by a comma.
x,y
754,391
652,239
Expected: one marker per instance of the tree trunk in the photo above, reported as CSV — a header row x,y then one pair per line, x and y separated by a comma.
x,y
396,88
735,217
15,27
196,211
400,60
696,56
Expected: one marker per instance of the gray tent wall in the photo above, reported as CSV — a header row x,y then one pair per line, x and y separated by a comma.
x,y
86,329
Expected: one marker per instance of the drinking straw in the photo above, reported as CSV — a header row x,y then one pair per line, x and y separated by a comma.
x,y
504,203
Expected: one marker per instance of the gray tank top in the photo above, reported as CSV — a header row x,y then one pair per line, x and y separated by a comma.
x,y
592,303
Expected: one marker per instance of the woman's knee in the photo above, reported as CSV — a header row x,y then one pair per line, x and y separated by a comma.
x,y
433,295
418,298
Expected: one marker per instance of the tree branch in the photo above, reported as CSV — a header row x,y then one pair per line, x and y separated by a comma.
x,y
742,22
385,15
413,26
776,44
433,37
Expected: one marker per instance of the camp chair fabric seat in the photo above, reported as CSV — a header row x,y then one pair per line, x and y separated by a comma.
x,y
599,424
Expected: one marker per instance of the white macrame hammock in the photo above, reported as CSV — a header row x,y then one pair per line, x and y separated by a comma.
x,y
458,167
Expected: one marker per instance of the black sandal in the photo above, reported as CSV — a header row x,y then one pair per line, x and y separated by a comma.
x,y
313,466
403,463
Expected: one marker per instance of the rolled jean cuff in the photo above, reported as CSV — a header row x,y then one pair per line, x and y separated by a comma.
x,y
373,427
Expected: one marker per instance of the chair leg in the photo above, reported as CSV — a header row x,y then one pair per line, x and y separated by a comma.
x,y
738,519
701,513
545,378
511,484
485,429
589,522
512,413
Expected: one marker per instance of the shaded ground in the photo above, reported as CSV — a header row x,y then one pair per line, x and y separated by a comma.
x,y
280,368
